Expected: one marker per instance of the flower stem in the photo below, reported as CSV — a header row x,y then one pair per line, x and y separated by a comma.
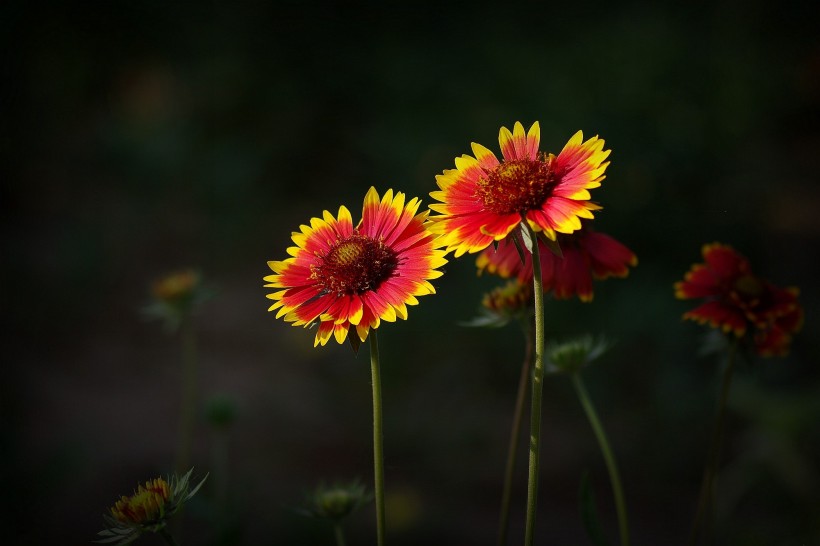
x,y
612,467
340,536
378,437
169,538
706,497
515,433
537,390
188,395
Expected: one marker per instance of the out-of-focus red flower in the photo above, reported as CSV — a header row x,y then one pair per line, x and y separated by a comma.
x,y
739,302
587,255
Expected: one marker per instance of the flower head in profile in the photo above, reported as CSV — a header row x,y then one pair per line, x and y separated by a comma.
x,y
483,199
175,297
587,255
573,355
176,286
344,277
335,502
147,510
513,300
739,302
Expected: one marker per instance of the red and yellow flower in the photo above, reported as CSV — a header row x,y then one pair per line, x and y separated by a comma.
x,y
483,199
739,302
587,255
346,277
176,287
146,505
512,299
147,510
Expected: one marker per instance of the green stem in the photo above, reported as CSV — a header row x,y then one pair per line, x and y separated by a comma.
x,y
169,539
515,433
612,467
188,395
339,533
378,437
706,497
537,390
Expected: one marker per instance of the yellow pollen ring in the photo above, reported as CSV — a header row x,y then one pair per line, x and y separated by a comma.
x,y
748,285
347,252
511,171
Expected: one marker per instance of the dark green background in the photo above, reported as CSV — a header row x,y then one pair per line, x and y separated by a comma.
x,y
143,137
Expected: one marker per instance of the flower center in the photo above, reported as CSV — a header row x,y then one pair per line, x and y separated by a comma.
x,y
355,265
748,286
516,186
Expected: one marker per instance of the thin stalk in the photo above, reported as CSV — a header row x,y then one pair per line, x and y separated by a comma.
x,y
188,396
707,493
378,437
339,533
609,458
515,433
537,390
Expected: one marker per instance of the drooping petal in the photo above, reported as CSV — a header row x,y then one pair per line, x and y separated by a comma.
x,y
699,282
607,256
586,254
572,276
719,315
724,261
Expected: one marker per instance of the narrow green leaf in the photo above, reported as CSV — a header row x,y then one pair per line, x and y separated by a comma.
x,y
195,489
525,236
519,248
486,320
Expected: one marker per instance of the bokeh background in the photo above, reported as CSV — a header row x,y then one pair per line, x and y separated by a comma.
x,y
141,138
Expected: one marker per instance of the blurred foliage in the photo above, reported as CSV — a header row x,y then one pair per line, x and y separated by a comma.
x,y
147,136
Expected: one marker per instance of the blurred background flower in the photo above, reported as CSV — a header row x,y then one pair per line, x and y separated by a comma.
x,y
142,137
738,302
148,510
335,502
175,297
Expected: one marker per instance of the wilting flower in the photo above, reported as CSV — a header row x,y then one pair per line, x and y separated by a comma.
x,y
147,510
574,355
335,502
346,277
587,254
739,302
484,199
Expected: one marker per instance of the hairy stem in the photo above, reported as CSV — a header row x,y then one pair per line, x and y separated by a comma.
x,y
378,437
537,390
515,433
